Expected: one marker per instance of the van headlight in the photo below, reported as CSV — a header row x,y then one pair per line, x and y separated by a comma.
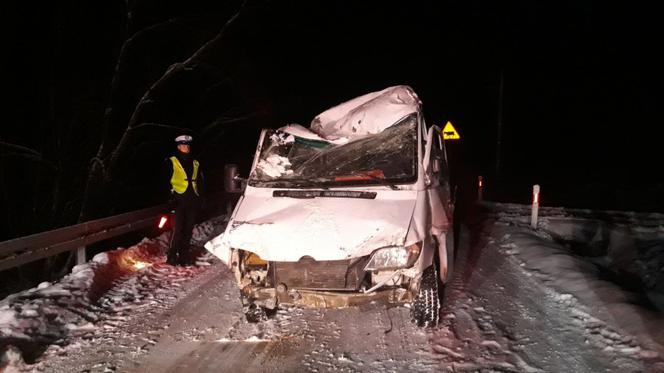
x,y
394,257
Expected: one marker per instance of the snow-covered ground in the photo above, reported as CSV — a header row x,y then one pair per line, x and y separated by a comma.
x,y
87,304
527,300
582,293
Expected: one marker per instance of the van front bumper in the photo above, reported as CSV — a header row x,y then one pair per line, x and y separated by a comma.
x,y
271,297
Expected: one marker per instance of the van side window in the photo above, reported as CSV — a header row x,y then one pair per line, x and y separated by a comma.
x,y
441,155
440,169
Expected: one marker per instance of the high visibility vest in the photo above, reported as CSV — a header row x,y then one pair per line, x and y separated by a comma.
x,y
179,180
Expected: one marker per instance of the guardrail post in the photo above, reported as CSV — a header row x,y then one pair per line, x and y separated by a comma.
x,y
535,208
80,255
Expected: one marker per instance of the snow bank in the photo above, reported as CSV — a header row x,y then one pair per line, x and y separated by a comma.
x,y
584,255
630,246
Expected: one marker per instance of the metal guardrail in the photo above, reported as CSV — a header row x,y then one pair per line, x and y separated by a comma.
x,y
27,249
21,250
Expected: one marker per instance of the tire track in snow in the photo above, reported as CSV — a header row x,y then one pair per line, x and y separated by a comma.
x,y
468,338
499,316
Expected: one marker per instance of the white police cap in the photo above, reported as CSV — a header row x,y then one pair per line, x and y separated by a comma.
x,y
184,139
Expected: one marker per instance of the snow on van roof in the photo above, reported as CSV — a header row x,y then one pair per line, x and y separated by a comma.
x,y
367,114
305,133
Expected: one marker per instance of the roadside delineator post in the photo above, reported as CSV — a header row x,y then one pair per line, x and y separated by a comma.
x,y
535,208
480,186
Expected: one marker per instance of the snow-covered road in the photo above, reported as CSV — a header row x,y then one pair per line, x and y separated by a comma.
x,y
522,300
507,312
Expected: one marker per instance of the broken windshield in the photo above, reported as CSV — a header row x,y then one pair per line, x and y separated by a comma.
x,y
388,158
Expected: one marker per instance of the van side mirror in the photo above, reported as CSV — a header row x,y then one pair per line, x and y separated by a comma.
x,y
232,181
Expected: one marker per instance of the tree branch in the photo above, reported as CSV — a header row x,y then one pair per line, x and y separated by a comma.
x,y
20,147
156,86
154,125
26,153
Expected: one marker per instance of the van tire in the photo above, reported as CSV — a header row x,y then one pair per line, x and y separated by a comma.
x,y
425,309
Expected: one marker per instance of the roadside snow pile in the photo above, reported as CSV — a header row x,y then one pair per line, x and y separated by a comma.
x,y
33,319
51,313
627,245
592,260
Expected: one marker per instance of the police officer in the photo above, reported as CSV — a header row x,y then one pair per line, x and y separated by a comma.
x,y
185,181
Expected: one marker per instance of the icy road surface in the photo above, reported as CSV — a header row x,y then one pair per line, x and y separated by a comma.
x,y
521,301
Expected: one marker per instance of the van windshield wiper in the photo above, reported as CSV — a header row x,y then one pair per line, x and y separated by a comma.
x,y
287,181
326,182
324,193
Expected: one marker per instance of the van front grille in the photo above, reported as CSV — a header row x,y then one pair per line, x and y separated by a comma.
x,y
308,273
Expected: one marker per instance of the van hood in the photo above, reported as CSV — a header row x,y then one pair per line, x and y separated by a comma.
x,y
322,227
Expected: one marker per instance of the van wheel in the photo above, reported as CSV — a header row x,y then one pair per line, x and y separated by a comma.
x,y
426,306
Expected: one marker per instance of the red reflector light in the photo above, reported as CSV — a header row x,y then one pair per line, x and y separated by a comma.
x,y
162,221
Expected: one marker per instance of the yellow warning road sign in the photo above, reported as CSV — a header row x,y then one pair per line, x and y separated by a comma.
x,y
450,133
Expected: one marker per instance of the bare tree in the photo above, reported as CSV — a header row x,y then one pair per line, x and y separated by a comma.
x,y
104,166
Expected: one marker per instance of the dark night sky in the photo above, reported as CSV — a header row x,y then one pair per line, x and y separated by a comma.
x,y
582,79
573,69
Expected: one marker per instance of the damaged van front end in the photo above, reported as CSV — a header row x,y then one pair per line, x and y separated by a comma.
x,y
351,210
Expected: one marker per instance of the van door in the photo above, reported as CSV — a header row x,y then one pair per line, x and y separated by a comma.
x,y
438,195
435,169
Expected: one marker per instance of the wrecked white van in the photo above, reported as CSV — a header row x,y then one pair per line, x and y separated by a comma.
x,y
356,207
